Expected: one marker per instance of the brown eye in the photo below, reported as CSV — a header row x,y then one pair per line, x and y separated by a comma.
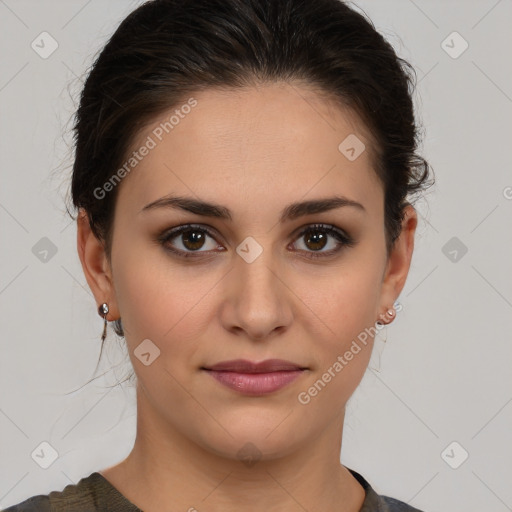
x,y
187,240
316,238
193,239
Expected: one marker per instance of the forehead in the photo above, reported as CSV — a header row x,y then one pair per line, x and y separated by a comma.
x,y
250,145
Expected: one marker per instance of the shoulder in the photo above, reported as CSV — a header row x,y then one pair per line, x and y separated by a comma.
x,y
394,505
40,503
89,494
378,503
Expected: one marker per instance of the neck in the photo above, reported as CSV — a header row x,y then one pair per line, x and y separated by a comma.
x,y
166,466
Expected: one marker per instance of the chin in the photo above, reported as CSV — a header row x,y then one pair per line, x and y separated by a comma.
x,y
255,438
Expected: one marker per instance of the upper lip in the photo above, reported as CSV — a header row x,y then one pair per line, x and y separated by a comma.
x,y
245,366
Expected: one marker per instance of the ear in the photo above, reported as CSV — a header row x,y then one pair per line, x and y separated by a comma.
x,y
399,261
95,265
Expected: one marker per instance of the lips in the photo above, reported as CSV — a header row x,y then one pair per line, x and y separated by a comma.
x,y
245,366
249,378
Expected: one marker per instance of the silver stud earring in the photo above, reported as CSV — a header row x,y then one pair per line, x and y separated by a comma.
x,y
103,310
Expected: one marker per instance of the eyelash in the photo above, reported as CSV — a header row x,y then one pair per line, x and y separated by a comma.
x,y
343,239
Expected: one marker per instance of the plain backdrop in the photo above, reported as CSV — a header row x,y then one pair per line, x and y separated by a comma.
x,y
431,421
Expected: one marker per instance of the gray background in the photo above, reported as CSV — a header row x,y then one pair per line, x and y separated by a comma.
x,y
445,368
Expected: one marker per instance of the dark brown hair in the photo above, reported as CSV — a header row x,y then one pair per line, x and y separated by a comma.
x,y
167,49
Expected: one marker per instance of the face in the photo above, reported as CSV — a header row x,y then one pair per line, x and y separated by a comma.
x,y
247,280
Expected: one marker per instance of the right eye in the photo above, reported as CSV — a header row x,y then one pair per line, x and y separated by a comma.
x,y
191,237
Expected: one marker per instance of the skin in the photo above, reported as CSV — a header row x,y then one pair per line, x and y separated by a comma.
x,y
254,151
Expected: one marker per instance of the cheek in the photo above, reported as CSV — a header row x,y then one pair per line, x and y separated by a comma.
x,y
352,308
342,353
345,301
163,302
346,305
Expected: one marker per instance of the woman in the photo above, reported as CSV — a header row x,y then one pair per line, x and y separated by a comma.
x,y
241,180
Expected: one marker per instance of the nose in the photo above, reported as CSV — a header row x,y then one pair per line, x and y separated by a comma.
x,y
258,300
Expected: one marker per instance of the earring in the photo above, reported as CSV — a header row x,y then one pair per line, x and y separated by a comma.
x,y
390,313
103,310
384,339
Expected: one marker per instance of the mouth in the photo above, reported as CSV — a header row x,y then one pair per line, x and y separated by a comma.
x,y
255,379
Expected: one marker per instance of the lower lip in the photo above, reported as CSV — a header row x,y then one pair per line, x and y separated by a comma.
x,y
255,383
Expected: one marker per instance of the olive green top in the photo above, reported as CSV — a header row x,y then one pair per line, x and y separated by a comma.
x,y
96,493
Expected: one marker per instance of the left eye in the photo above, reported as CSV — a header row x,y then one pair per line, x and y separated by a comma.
x,y
316,237
193,239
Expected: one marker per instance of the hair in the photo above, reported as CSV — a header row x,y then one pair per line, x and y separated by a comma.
x,y
165,50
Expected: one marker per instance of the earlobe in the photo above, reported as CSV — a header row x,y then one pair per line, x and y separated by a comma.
x,y
95,265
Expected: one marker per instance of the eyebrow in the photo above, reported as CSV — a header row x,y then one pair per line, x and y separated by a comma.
x,y
290,212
